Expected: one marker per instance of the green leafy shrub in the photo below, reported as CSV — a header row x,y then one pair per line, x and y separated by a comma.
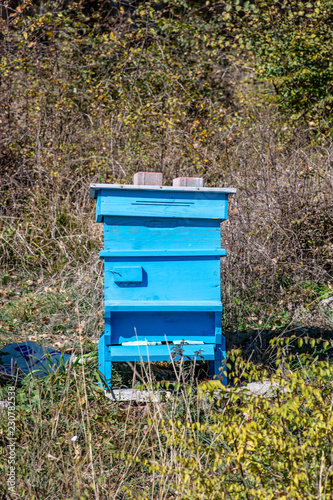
x,y
290,44
193,443
242,445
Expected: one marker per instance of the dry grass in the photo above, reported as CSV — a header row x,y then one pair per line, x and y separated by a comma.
x,y
278,236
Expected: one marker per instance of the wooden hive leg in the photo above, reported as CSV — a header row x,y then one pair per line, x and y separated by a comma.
x,y
104,356
217,368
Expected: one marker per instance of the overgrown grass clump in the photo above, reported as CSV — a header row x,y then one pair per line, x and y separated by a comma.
x,y
197,442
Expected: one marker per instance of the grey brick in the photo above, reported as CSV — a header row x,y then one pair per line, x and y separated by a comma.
x,y
188,182
148,179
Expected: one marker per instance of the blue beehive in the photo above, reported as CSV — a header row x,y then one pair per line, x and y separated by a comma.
x,y
162,271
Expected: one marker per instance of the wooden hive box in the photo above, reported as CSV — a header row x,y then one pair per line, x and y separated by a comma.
x,y
161,270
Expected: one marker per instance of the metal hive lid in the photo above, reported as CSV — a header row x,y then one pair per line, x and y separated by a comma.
x,y
94,188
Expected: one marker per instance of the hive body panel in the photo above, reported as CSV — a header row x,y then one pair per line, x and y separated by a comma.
x,y
160,203
159,326
148,233
165,279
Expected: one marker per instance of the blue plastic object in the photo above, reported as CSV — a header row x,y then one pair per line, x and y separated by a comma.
x,y
29,357
162,273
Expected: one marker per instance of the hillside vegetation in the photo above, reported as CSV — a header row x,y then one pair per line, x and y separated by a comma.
x,y
237,93
240,93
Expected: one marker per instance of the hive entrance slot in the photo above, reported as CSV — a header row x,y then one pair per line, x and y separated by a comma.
x,y
164,203
162,342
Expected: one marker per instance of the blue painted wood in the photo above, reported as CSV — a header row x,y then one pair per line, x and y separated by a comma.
x,y
167,281
160,352
104,358
134,305
99,215
221,252
161,326
217,367
218,327
129,275
107,328
180,204
162,251
144,233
